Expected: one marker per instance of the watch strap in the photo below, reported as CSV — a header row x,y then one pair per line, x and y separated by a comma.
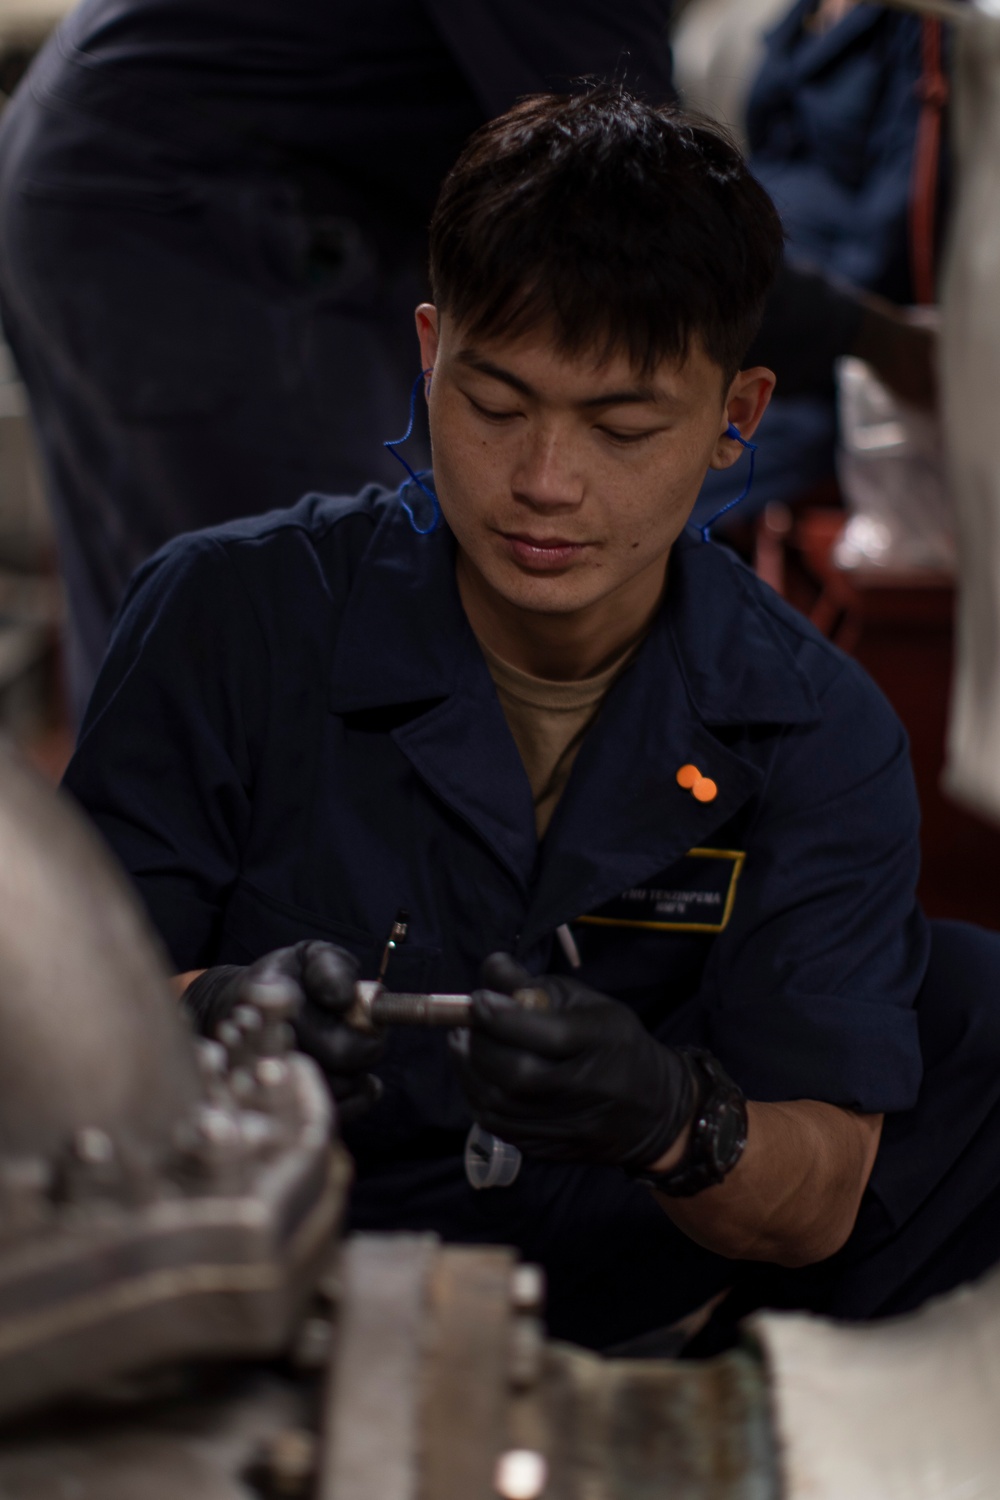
x,y
718,1131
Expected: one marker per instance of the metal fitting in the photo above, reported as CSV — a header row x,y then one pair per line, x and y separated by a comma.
x,y
520,1474
286,1465
527,1288
526,1354
93,1147
277,999
374,1006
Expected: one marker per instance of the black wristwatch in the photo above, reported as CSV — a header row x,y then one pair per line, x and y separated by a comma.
x,y
718,1131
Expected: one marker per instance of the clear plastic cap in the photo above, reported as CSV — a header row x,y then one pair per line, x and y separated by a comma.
x,y
489,1161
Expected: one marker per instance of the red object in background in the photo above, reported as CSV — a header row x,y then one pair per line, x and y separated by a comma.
x,y
900,628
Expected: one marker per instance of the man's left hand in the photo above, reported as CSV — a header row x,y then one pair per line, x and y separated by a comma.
x,y
581,1080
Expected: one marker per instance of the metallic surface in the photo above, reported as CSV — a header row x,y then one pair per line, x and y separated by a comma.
x,y
372,1405
159,1199
639,1429
218,1260
455,1333
375,1006
89,1035
199,1442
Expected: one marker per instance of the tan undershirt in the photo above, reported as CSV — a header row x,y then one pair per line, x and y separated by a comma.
x,y
548,721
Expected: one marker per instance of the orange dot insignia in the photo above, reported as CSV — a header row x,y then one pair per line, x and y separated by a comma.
x,y
705,790
687,776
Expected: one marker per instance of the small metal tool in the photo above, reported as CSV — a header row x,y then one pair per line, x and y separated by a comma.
x,y
375,1006
397,935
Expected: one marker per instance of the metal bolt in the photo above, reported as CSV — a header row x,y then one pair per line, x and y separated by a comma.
x,y
229,1036
213,1059
388,1009
271,1072
93,1147
527,1288
257,1130
288,1462
242,1084
520,1474
526,1352
218,1133
249,1020
312,1344
277,999
375,1006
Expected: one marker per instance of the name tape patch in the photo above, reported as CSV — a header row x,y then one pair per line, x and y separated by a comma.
x,y
695,895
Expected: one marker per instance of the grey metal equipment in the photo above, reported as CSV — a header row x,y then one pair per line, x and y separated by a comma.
x,y
376,1006
501,1411
159,1198
441,1385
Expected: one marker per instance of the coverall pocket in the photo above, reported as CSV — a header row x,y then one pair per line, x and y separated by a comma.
x,y
653,972
256,922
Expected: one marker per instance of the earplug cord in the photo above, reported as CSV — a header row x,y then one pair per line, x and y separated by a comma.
x,y
751,448
391,444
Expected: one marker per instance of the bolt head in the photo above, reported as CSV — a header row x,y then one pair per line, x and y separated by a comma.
x,y
313,1344
276,1038
248,1018
275,996
527,1288
212,1058
218,1130
229,1036
271,1072
242,1085
520,1474
93,1147
287,1464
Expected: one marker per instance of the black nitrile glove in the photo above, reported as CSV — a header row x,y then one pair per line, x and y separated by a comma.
x,y
580,1081
325,975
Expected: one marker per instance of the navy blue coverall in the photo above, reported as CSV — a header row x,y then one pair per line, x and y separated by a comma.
x,y
295,733
212,238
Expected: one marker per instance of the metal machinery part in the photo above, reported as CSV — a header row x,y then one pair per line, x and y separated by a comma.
x,y
439,1385
375,1006
450,1342
159,1198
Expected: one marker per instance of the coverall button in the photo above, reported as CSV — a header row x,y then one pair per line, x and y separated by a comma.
x,y
687,776
705,790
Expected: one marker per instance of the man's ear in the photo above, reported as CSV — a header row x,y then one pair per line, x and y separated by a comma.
x,y
426,317
746,402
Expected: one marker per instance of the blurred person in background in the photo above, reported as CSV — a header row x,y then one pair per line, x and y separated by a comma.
x,y
212,232
843,125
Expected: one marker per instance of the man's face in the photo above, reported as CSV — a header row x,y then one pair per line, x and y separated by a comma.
x,y
565,481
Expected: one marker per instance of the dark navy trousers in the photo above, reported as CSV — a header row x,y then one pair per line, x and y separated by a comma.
x,y
195,348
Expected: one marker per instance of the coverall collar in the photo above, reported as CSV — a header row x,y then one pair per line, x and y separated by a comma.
x,y
713,658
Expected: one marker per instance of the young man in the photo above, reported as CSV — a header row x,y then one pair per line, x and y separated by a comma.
x,y
558,727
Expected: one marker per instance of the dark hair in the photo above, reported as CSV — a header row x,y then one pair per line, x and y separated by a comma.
x,y
619,225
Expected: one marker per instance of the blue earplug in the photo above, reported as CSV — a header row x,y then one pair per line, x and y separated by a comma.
x,y
751,448
391,444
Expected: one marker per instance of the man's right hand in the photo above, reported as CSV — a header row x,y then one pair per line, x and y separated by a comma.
x,y
325,975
